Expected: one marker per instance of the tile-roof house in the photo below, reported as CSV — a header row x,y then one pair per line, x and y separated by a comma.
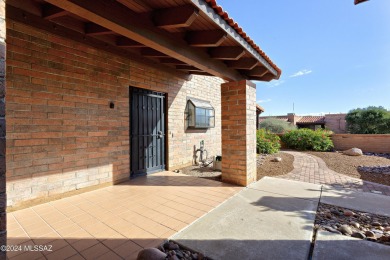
x,y
334,122
102,91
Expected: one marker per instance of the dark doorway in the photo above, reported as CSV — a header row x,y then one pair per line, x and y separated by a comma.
x,y
147,134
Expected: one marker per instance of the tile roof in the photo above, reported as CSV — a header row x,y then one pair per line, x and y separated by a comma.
x,y
259,108
311,120
218,9
282,118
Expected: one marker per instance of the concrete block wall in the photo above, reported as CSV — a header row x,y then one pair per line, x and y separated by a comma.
x,y
62,134
379,143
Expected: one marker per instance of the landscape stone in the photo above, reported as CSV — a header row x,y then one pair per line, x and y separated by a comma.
x,y
277,159
151,254
358,235
345,229
353,152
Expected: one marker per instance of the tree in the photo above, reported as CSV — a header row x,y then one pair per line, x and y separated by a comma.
x,y
369,120
276,126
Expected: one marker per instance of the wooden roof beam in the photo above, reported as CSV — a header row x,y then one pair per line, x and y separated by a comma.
x,y
124,42
244,63
93,29
129,24
258,71
211,38
171,61
267,77
51,12
151,53
187,68
175,17
227,53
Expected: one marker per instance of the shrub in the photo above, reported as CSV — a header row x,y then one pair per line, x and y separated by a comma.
x,y
369,120
276,126
267,142
307,139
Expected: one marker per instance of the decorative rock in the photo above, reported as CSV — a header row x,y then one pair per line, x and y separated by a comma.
x,y
348,213
370,234
375,223
387,229
330,229
353,152
173,246
277,159
328,215
345,229
151,254
358,235
355,224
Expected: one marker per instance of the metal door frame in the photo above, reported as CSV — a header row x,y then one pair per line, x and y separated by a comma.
x,y
164,145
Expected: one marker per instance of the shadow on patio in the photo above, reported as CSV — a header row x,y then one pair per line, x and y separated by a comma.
x,y
123,218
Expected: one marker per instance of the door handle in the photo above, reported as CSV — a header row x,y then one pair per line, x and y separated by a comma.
x,y
160,134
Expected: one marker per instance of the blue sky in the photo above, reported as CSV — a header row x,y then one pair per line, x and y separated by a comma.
x,y
334,56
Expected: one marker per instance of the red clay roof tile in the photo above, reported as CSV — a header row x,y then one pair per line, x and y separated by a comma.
x,y
218,9
311,120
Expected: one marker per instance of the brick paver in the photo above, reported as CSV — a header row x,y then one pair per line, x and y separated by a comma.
x,y
309,168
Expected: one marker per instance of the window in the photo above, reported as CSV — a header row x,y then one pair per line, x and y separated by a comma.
x,y
200,114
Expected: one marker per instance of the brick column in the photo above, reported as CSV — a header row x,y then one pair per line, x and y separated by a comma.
x,y
3,200
238,108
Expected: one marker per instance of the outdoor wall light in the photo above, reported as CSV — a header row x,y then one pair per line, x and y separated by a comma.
x,y
112,105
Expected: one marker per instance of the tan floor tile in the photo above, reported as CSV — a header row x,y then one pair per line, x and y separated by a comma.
x,y
127,248
62,253
33,255
113,243
94,251
76,257
19,249
110,255
84,244
57,245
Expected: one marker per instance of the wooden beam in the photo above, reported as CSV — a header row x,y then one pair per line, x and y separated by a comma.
x,y
187,68
199,73
221,23
171,61
211,38
127,43
129,24
227,52
175,17
151,53
28,19
95,29
243,63
258,71
267,77
51,12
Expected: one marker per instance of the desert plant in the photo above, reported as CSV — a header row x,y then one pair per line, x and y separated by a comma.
x,y
275,125
307,139
369,120
267,142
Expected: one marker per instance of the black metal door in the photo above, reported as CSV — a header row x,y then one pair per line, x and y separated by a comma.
x,y
147,135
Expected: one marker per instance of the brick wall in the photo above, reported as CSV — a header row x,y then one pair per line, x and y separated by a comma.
x,y
368,143
61,133
336,123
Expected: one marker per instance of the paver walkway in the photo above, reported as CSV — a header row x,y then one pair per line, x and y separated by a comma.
x,y
310,168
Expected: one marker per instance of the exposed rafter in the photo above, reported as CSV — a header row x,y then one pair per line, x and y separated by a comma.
x,y
95,29
267,77
129,24
243,63
226,52
187,68
51,12
175,17
258,71
211,38
152,53
127,43
171,61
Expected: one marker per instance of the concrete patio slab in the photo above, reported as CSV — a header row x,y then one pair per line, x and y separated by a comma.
x,y
296,189
254,225
333,246
362,201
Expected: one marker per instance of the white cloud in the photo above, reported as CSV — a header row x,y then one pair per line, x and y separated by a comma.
x,y
301,73
275,84
264,100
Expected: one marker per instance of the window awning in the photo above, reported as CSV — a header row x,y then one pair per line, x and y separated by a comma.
x,y
200,103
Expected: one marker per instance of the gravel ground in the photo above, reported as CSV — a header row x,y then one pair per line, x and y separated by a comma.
x,y
202,172
353,223
348,165
270,168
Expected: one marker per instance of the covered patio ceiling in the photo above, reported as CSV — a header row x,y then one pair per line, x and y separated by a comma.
x,y
190,36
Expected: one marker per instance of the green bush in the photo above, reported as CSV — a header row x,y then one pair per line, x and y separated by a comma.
x,y
276,126
307,139
267,142
369,120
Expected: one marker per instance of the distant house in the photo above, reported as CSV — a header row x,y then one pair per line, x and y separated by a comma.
x,y
334,122
259,110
